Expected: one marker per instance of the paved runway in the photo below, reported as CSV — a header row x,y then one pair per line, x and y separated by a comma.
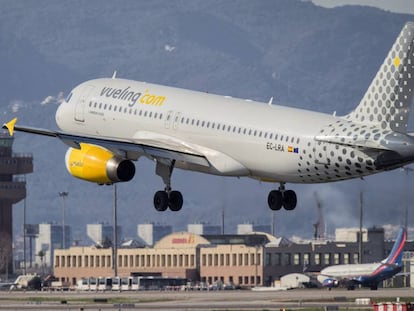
x,y
213,300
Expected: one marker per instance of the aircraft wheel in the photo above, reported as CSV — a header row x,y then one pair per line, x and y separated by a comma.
x,y
289,200
161,201
175,201
275,200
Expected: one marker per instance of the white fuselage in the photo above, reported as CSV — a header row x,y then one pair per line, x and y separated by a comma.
x,y
350,271
239,137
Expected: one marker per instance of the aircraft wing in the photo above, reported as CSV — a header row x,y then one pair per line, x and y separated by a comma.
x,y
155,146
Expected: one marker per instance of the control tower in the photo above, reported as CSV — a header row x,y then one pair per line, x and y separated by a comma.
x,y
12,190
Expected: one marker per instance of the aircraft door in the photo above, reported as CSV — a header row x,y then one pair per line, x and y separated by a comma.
x,y
81,103
168,119
176,120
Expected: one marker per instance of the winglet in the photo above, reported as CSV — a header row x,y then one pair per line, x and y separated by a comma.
x,y
10,126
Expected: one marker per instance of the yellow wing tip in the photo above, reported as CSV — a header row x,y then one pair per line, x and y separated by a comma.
x,y
10,126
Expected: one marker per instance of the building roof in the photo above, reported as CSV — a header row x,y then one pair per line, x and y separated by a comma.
x,y
181,240
251,239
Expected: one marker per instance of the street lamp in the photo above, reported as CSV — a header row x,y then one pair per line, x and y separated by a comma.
x,y
63,195
115,246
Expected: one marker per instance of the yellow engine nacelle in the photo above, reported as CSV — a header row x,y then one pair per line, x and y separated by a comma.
x,y
97,164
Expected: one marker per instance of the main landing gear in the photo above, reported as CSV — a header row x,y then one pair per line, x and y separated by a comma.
x,y
282,197
167,198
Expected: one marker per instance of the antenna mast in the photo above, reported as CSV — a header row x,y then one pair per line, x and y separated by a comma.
x,y
319,226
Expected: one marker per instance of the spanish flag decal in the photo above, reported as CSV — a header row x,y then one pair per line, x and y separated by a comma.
x,y
293,149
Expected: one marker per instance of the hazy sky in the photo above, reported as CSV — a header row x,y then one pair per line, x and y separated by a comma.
x,y
398,6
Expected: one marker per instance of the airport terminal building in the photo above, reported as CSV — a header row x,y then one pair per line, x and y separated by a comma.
x,y
256,259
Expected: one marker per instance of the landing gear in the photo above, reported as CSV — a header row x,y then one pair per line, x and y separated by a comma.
x,y
167,198
282,197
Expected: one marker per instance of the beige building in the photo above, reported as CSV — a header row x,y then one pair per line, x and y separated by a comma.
x,y
181,254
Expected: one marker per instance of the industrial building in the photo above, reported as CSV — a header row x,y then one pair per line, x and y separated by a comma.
x,y
151,233
252,227
256,259
203,228
102,233
50,237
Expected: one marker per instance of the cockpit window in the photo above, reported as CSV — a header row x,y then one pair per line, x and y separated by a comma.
x,y
69,97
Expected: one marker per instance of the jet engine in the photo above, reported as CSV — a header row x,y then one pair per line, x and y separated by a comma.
x,y
99,165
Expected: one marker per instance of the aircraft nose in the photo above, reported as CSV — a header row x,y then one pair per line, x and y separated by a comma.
x,y
58,114
61,115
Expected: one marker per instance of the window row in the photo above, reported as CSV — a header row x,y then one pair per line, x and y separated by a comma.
x,y
126,261
126,110
297,259
196,122
242,280
246,259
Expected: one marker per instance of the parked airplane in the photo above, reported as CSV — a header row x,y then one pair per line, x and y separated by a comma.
x,y
108,123
366,274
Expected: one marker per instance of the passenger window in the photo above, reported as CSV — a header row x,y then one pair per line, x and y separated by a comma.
x,y
96,104
213,125
145,114
140,112
208,124
271,136
150,114
198,122
202,124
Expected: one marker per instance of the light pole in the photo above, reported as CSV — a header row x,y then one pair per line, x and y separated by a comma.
x,y
63,195
407,171
24,236
115,245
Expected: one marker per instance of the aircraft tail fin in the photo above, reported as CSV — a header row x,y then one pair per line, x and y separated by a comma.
x,y
395,257
387,101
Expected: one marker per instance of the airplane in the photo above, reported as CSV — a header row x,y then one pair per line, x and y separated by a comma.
x,y
366,274
109,123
